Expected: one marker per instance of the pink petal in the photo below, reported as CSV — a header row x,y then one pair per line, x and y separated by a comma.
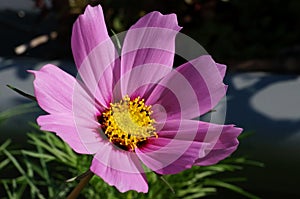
x,y
89,30
191,90
119,168
139,81
65,127
223,142
181,143
149,45
174,150
95,55
53,89
72,111
219,141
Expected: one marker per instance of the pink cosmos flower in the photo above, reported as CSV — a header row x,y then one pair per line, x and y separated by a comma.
x,y
133,109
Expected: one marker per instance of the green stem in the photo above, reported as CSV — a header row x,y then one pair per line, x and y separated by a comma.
x,y
83,181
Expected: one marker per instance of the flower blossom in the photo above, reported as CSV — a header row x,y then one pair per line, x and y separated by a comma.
x,y
134,108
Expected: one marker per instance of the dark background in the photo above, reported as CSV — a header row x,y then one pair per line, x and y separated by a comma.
x,y
251,35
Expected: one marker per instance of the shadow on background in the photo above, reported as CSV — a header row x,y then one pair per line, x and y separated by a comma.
x,y
274,141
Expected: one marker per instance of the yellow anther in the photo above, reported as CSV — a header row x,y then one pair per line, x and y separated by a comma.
x,y
128,123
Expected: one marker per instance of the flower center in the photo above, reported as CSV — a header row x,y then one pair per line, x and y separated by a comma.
x,y
128,123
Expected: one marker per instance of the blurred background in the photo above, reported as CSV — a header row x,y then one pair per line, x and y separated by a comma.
x,y
259,41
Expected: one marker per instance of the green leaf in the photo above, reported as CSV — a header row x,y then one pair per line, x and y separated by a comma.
x,y
5,145
54,151
117,39
168,184
38,155
34,189
18,110
45,172
218,183
243,161
4,163
8,192
22,93
224,167
196,192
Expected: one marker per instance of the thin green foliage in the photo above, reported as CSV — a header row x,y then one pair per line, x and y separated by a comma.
x,y
31,97
5,145
33,189
116,38
45,167
18,110
219,183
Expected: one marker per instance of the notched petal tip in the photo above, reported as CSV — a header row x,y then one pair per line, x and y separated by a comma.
x,y
88,31
173,17
222,69
91,11
159,20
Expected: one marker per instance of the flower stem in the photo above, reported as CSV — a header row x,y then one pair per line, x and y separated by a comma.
x,y
83,181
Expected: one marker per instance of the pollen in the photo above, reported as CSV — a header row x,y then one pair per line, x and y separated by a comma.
x,y
128,123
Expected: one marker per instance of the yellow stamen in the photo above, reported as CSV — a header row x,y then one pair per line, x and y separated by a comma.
x,y
128,123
